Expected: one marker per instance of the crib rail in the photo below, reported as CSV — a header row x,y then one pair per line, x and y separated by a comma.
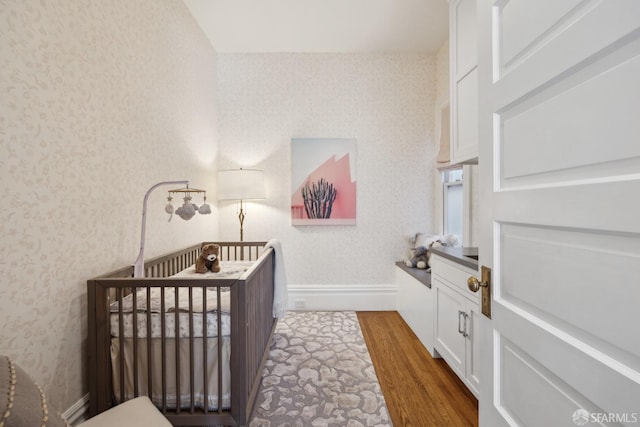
x,y
251,328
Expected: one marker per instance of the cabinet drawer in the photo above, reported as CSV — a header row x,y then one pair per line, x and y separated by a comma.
x,y
454,275
441,268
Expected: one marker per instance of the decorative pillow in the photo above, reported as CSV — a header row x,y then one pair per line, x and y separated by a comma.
x,y
22,401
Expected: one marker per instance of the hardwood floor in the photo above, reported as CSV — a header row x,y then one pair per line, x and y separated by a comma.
x,y
418,389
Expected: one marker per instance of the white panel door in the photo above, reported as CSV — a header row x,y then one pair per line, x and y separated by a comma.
x,y
559,121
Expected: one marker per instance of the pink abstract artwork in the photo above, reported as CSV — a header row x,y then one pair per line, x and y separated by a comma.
x,y
323,181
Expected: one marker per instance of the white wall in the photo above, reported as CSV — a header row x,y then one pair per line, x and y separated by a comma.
x,y
386,102
99,100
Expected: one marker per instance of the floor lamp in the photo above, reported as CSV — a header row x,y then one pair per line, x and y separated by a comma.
x,y
240,185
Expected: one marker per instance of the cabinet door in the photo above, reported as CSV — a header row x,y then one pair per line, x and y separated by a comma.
x,y
472,348
464,81
415,305
448,323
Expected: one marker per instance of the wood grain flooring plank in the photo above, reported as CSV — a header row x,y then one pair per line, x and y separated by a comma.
x,y
418,389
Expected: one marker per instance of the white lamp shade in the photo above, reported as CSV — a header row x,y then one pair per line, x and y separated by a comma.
x,y
240,184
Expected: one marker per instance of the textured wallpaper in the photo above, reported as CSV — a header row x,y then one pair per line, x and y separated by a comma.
x,y
385,102
99,101
442,74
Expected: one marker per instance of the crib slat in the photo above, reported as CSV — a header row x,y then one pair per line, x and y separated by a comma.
x,y
163,357
191,352
219,338
149,350
205,358
135,341
176,340
119,297
251,314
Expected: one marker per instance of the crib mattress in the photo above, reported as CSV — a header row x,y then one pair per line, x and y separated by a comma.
x,y
229,270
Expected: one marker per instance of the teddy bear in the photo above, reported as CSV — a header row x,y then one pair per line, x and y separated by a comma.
x,y
208,259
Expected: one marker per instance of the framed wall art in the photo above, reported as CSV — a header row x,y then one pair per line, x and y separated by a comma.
x,y
323,181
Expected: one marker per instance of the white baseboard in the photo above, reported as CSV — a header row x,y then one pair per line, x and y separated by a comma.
x,y
342,297
77,412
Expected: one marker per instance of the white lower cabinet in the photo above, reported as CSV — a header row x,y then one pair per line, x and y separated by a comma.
x,y
415,305
456,321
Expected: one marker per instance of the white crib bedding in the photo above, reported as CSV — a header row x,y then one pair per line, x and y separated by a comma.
x,y
183,372
229,270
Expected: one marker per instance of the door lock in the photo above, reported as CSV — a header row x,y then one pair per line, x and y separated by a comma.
x,y
474,285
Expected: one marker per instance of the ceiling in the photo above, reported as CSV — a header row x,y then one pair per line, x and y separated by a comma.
x,y
323,25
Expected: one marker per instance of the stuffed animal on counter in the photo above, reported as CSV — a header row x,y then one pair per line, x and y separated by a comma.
x,y
419,254
419,258
208,259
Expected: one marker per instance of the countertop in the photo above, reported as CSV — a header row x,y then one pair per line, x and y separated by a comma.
x,y
462,256
422,275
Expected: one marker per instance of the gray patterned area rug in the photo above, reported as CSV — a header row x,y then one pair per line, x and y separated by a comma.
x,y
319,373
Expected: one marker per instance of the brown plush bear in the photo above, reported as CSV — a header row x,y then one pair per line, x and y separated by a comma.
x,y
208,259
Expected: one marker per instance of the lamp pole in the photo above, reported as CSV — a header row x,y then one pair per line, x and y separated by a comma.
x,y
241,218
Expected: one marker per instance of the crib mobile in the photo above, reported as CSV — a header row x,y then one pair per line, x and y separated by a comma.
x,y
186,212
188,209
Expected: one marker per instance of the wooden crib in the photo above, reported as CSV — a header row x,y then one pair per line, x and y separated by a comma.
x,y
183,366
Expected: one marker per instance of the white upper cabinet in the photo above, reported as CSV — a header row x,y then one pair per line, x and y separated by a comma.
x,y
463,66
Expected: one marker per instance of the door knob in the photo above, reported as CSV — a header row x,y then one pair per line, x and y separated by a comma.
x,y
474,284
